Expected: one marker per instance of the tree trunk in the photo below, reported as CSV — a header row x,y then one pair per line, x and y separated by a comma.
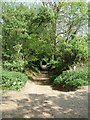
x,y
54,40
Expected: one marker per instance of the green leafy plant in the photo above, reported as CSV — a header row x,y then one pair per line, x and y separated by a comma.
x,y
15,65
74,78
13,80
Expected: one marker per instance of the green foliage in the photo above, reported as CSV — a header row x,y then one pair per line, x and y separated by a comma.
x,y
53,64
15,65
23,32
74,78
33,30
80,48
69,53
44,14
13,80
72,52
30,34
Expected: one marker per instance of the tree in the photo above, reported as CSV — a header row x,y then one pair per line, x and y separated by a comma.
x,y
41,29
68,19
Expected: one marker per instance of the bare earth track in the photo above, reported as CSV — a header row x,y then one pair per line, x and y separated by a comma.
x,y
41,101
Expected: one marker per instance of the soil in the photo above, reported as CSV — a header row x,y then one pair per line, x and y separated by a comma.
x,y
42,101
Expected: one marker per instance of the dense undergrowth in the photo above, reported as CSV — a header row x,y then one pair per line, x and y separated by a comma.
x,y
13,80
14,77
73,78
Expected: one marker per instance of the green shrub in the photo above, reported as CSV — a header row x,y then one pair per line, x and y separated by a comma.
x,y
15,65
53,64
74,78
72,52
13,80
80,48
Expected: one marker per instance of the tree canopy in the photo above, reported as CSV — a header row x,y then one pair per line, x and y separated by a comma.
x,y
54,32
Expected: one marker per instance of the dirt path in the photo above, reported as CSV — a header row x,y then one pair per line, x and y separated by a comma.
x,y
41,101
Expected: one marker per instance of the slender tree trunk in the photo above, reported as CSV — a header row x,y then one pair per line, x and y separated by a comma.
x,y
54,40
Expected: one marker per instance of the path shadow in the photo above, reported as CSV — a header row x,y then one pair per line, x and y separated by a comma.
x,y
64,88
43,106
43,82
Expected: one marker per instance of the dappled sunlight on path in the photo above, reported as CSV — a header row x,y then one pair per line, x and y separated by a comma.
x,y
41,101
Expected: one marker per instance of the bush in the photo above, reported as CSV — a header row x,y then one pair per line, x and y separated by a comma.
x,y
80,48
73,78
15,65
13,80
72,52
53,64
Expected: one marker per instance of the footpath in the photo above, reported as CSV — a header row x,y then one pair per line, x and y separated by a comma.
x,y
41,101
